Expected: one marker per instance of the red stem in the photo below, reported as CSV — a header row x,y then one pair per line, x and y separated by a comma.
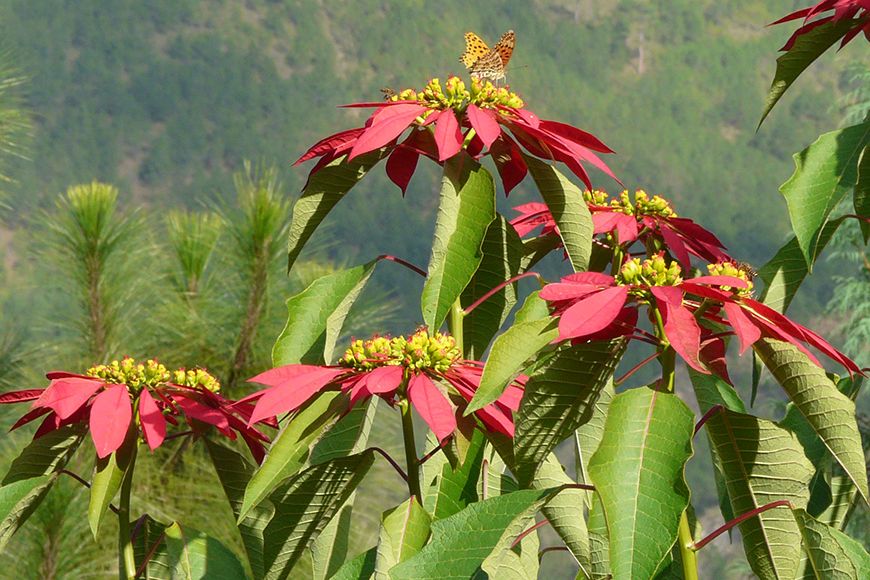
x,y
636,368
529,531
431,454
404,263
713,410
725,527
498,288
391,461
149,555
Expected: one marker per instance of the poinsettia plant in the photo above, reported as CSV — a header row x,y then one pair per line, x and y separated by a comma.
x,y
485,394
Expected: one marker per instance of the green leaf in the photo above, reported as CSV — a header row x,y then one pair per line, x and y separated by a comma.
x,y
861,199
463,541
599,545
824,172
305,505
565,510
350,435
47,454
456,487
509,562
559,397
108,473
362,567
234,473
32,474
467,208
711,390
508,356
502,251
322,192
843,496
536,249
565,202
638,472
762,463
18,500
787,270
588,436
404,531
329,549
830,413
290,450
315,316
188,554
832,555
807,48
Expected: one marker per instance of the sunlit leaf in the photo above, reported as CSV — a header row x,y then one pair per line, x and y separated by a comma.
x,y
466,209
463,541
826,409
511,349
638,473
832,555
762,463
404,531
290,450
322,192
565,202
315,317
824,172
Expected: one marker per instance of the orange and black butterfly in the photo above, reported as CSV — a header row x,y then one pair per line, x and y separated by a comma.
x,y
488,63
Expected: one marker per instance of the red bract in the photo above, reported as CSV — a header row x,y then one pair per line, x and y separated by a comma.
x,y
598,306
108,409
443,122
856,10
417,369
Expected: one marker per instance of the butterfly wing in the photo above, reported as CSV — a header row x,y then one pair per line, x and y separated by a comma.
x,y
475,49
505,46
489,66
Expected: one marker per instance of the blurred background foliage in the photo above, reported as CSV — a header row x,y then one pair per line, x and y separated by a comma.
x,y
132,224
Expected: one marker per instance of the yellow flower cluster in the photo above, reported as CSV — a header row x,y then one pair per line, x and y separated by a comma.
x,y
455,95
137,375
735,270
419,351
642,205
653,271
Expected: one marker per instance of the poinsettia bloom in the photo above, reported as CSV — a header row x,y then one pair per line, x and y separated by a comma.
x,y
426,369
107,397
856,10
444,121
592,306
626,222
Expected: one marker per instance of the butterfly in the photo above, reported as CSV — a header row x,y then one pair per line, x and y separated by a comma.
x,y
484,62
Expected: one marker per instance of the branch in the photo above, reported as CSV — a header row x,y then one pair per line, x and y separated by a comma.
x,y
725,527
391,461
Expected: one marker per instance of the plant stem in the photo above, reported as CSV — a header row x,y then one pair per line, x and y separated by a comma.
x,y
411,451
686,541
127,568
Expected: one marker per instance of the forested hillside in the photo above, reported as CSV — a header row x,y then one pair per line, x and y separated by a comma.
x,y
165,99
